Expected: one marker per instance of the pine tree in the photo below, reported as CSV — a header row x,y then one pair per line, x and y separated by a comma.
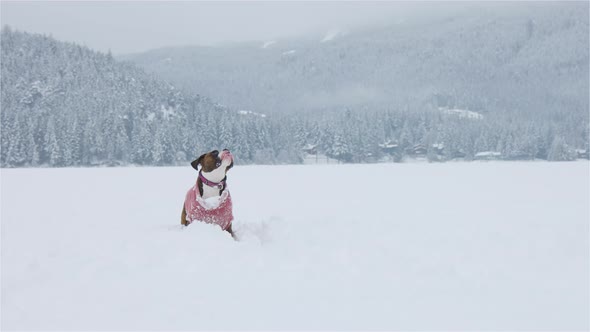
x,y
559,150
52,145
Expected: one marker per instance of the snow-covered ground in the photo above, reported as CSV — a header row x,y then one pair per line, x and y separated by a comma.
x,y
461,113
450,246
333,34
267,44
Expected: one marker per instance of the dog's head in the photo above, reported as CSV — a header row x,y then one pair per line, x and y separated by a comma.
x,y
214,162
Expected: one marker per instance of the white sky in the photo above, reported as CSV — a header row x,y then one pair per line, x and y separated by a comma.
x,y
125,27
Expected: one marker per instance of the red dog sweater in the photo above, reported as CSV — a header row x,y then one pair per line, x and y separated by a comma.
x,y
203,210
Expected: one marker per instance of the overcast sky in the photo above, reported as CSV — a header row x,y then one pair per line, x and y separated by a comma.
x,y
125,27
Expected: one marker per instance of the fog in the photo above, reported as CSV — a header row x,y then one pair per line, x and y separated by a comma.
x,y
128,27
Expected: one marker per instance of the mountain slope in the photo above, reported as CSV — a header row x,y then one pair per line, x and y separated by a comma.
x,y
523,57
66,105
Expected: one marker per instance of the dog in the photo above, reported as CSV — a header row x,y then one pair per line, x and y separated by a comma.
x,y
209,200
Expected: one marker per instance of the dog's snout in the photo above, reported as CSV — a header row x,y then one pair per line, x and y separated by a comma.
x,y
226,156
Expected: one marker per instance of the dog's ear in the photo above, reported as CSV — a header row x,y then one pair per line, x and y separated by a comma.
x,y
195,164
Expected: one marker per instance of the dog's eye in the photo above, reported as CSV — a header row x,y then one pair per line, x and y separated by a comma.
x,y
218,163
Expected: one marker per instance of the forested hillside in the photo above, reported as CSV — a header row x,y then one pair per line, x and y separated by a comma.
x,y
66,105
505,57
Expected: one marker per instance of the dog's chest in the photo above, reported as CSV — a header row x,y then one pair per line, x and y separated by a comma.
x,y
211,211
209,192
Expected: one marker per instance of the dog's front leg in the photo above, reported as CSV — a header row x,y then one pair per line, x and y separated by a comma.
x,y
183,217
231,232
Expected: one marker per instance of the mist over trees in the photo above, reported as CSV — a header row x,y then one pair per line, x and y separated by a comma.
x,y
521,57
66,105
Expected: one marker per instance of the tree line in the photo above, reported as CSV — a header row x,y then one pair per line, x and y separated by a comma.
x,y
65,105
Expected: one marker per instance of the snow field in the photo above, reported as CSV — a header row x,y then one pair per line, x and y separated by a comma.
x,y
389,246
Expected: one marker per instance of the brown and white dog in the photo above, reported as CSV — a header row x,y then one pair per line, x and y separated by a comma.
x,y
209,200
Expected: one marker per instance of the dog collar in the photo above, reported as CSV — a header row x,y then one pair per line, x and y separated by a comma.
x,y
219,185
